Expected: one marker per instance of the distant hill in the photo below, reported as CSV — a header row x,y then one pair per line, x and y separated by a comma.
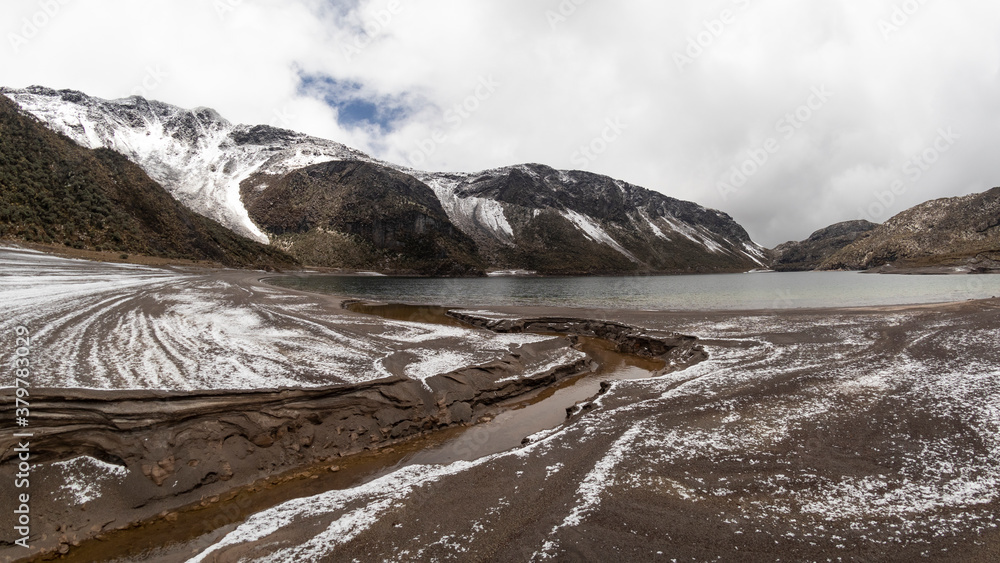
x,y
955,232
810,253
54,191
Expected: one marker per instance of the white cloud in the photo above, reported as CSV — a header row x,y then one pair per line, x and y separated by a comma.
x,y
558,85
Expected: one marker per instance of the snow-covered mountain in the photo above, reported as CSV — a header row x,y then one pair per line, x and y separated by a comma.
x,y
525,216
497,208
197,155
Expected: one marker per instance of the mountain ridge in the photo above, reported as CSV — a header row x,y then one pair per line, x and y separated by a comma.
x,y
526,216
53,190
957,232
808,254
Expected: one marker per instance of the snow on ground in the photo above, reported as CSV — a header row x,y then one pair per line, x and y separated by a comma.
x,y
845,441
927,477
83,477
434,362
110,326
545,364
492,315
362,507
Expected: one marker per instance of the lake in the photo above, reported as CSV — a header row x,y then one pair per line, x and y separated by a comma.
x,y
771,290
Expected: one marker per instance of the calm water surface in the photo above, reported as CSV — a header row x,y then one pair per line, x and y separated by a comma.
x,y
701,292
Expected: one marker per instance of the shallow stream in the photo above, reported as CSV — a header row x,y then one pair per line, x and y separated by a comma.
x,y
195,530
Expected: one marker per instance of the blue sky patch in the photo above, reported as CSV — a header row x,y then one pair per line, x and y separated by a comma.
x,y
356,105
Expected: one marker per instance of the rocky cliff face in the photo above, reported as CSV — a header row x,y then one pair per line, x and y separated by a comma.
x,y
199,157
534,217
361,215
961,232
810,253
519,217
54,191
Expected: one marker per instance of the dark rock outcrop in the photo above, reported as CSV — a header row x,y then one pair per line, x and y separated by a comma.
x,y
810,253
362,215
672,348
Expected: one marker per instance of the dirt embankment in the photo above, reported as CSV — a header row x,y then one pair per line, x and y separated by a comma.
x,y
677,350
181,449
809,435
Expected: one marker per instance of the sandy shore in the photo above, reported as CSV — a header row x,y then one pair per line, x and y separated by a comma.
x,y
808,435
865,434
158,390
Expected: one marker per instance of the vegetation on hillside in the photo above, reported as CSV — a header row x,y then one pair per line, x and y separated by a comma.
x,y
350,214
57,192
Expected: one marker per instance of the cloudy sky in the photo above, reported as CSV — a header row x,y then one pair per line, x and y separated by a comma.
x,y
788,115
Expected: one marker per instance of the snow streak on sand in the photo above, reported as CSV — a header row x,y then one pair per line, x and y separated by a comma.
x,y
84,476
546,364
588,494
110,326
359,509
847,440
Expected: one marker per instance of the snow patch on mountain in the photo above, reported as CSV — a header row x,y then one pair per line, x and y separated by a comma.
x,y
656,230
470,210
198,156
594,232
695,235
203,160
755,253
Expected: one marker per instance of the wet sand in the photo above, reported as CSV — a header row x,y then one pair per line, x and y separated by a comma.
x,y
865,434
163,431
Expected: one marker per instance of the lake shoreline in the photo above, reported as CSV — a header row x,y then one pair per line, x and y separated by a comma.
x,y
790,351
826,444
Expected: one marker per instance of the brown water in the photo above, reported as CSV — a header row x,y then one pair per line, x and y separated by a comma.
x,y
543,411
198,528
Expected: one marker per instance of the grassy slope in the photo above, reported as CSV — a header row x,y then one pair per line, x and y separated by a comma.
x,y
56,192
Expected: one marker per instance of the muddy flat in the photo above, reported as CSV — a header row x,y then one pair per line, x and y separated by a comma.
x,y
820,435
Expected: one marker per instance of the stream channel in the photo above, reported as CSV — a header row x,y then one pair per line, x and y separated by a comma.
x,y
197,528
